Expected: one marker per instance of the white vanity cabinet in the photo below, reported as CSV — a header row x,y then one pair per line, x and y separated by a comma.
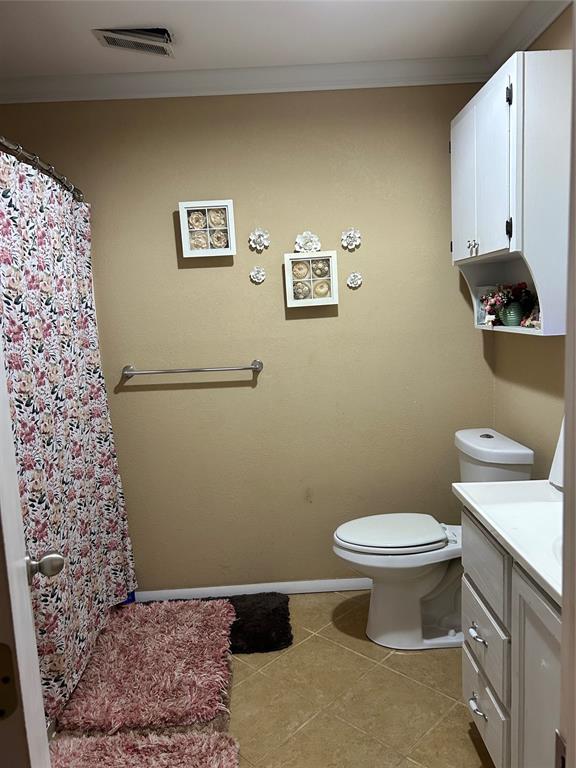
x,y
486,626
510,171
536,670
511,653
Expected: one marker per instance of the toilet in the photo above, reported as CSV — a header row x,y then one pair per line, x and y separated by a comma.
x,y
414,561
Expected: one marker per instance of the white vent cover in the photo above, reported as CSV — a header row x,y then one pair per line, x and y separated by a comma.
x,y
156,41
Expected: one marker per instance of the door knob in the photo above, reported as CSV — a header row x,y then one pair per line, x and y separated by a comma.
x,y
49,565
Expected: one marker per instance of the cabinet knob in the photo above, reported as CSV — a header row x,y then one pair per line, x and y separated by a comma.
x,y
474,708
475,635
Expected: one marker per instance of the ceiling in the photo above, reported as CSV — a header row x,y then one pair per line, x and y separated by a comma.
x,y
47,51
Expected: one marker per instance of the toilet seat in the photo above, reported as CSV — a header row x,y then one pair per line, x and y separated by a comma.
x,y
394,534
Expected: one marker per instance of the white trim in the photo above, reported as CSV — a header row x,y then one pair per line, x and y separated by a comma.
x,y
532,21
223,82
286,587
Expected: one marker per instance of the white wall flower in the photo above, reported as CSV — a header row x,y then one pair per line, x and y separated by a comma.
x,y
259,239
258,275
351,239
354,281
307,241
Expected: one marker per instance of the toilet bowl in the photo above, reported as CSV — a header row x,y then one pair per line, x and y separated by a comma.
x,y
414,561
414,564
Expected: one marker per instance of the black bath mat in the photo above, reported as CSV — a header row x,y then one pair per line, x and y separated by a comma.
x,y
262,623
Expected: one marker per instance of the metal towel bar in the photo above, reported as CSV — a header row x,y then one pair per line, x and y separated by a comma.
x,y
129,371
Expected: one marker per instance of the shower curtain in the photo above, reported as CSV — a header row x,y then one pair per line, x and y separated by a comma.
x,y
70,488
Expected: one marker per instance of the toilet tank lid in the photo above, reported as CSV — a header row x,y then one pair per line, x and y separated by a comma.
x,y
487,445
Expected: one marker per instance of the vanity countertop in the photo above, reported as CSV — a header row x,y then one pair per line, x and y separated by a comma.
x,y
525,517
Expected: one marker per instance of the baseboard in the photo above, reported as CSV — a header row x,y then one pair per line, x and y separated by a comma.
x,y
287,587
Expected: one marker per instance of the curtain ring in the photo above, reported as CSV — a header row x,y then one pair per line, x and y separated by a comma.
x,y
35,160
18,150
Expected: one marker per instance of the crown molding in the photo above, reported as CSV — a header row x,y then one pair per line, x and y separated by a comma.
x,y
535,18
220,82
529,25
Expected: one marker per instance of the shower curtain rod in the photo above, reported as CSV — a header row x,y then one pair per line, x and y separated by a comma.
x,y
21,154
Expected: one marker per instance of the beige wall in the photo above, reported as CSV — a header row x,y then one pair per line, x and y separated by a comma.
x,y
355,411
529,372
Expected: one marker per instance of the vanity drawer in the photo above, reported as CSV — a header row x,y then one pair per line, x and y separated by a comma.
x,y
489,642
488,567
492,723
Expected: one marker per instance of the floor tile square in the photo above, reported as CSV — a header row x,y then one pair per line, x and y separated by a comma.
x,y
316,610
327,742
440,669
264,715
318,670
391,708
240,671
453,743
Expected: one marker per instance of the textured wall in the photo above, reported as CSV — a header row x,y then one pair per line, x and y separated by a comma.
x,y
355,411
529,372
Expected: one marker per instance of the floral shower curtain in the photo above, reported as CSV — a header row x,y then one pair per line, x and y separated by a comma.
x,y
70,488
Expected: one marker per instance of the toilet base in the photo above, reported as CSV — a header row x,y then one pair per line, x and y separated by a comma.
x,y
424,644
418,613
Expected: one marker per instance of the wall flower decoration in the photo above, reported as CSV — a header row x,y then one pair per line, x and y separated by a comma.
x,y
258,275
307,241
259,239
351,239
354,280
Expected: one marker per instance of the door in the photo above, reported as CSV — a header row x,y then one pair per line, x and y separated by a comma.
x,y
23,738
568,702
492,117
536,675
463,174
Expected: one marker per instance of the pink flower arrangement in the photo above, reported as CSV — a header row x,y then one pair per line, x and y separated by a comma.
x,y
504,295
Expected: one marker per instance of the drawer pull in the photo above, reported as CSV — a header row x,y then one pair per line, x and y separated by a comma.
x,y
474,708
475,635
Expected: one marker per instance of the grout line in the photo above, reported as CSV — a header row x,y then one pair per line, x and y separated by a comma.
x,y
427,733
288,738
351,650
418,682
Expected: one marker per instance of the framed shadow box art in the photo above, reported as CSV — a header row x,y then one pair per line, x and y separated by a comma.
x,y
207,228
311,278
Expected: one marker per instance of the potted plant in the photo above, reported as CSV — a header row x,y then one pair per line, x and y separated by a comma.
x,y
508,304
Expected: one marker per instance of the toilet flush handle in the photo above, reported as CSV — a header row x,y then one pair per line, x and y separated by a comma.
x,y
475,635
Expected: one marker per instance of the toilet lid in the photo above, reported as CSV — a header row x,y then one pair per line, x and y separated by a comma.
x,y
396,532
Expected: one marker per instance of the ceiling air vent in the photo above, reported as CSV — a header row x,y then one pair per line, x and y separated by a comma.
x,y
156,41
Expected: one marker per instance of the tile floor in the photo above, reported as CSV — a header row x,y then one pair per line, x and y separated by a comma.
x,y
336,700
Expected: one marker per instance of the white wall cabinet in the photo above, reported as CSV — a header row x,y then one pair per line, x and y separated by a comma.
x,y
511,656
536,671
480,164
510,163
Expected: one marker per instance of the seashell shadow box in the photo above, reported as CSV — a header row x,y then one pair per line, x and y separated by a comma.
x,y
311,279
207,228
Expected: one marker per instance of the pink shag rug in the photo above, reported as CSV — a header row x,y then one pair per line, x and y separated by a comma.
x,y
132,750
155,665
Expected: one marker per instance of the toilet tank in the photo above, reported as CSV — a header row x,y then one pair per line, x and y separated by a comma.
x,y
487,456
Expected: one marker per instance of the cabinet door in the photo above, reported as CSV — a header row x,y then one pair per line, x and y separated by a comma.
x,y
492,116
536,673
463,161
